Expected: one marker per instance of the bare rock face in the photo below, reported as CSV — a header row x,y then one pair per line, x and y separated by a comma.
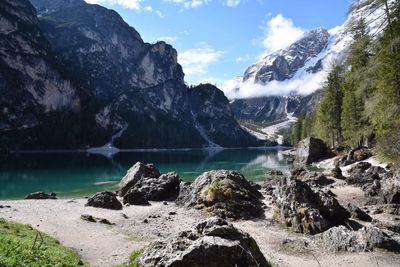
x,y
305,209
80,67
223,193
364,240
134,174
212,243
310,150
105,200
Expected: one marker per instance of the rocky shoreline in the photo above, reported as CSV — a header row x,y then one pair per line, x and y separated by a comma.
x,y
346,215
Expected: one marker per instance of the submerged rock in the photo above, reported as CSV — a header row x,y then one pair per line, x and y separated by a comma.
x,y
223,193
364,240
212,243
305,209
41,195
106,200
310,150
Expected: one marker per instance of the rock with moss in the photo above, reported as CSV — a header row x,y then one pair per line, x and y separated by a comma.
x,y
307,209
211,243
223,193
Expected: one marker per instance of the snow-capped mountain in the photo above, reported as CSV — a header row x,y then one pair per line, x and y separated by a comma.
x,y
288,78
283,64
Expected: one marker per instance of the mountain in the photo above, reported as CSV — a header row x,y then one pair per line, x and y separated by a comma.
x,y
299,70
89,79
283,64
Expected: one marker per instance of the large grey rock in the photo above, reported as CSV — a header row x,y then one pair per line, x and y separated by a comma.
x,y
364,240
134,174
305,209
164,187
105,200
212,243
390,188
310,150
223,193
135,197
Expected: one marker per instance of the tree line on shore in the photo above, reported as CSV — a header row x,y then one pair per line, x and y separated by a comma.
x,y
361,100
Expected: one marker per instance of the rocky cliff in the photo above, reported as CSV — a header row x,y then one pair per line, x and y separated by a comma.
x,y
76,76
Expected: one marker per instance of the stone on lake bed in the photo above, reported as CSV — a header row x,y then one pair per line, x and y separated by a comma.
x,y
41,195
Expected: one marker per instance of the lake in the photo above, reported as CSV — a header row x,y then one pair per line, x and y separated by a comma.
x,y
73,174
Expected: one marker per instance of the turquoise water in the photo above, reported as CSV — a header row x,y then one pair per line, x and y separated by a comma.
x,y
81,174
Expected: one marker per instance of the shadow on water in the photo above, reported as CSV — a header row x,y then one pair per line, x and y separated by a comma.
x,y
79,174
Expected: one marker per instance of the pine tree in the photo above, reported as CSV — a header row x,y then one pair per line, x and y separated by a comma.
x,y
330,109
386,115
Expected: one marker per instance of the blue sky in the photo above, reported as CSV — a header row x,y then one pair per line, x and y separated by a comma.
x,y
218,39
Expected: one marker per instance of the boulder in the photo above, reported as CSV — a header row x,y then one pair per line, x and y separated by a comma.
x,y
135,197
390,188
310,150
223,193
362,154
362,173
105,200
357,213
316,179
364,240
41,195
164,187
306,209
337,172
385,191
212,243
134,174
393,226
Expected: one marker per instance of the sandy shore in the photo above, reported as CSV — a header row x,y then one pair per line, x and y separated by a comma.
x,y
105,245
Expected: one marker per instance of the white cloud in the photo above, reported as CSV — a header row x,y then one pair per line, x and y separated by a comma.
x,y
304,85
279,33
189,3
196,61
231,3
242,59
160,14
132,4
167,39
